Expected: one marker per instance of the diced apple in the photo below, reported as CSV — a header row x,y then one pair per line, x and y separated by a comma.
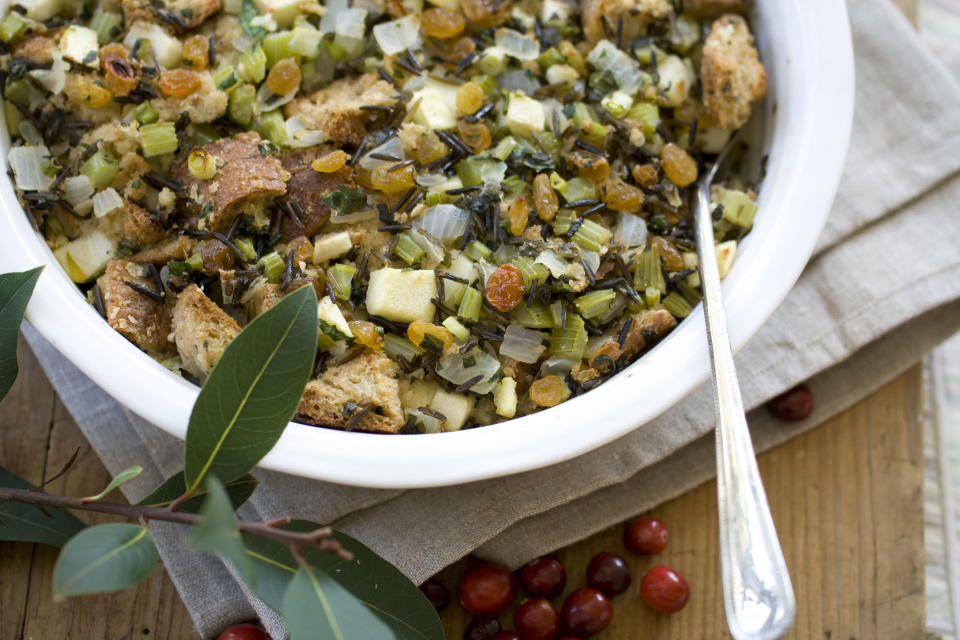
x,y
402,295
505,397
167,48
525,115
455,407
79,44
282,11
330,246
418,393
41,10
329,312
436,105
86,257
726,254
676,79
462,267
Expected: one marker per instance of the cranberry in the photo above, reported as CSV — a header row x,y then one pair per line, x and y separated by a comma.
x,y
795,404
536,619
486,589
436,593
664,590
544,577
609,573
646,535
243,632
482,629
586,612
507,635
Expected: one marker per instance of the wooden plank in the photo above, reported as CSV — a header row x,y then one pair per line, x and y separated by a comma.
x,y
846,499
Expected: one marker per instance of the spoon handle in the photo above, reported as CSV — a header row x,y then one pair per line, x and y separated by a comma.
x,y
757,594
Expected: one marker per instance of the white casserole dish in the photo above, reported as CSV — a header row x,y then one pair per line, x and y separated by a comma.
x,y
807,49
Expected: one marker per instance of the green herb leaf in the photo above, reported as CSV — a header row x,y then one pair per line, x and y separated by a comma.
x,y
248,13
238,491
27,523
252,392
107,557
315,607
373,580
345,200
15,292
217,531
127,474
330,331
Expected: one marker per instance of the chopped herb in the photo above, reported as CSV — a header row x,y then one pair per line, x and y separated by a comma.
x,y
248,13
345,200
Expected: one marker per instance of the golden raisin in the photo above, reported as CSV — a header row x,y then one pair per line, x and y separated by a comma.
x,y
469,99
620,196
284,76
179,83
442,23
669,256
367,334
86,93
504,288
396,181
588,165
417,332
545,201
429,147
518,214
549,391
196,52
216,257
486,14
461,49
646,175
475,134
302,249
330,162
678,165
120,76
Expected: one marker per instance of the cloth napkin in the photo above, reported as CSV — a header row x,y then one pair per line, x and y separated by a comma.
x,y
882,290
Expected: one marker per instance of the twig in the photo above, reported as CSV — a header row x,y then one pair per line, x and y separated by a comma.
x,y
294,540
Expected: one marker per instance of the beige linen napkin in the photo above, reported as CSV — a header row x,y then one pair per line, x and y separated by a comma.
x,y
883,289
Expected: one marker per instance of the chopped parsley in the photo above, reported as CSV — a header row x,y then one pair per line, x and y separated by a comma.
x,y
248,13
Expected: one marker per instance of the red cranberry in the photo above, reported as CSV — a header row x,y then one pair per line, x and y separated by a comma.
x,y
609,573
486,589
646,535
243,632
664,590
586,612
436,593
544,577
536,619
795,404
507,635
482,629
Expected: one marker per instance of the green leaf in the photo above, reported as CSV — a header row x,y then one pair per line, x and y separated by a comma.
x,y
345,200
373,580
315,607
107,557
238,491
217,531
26,523
127,474
253,391
15,292
248,13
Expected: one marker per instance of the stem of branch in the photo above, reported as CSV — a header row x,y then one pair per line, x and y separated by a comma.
x,y
292,539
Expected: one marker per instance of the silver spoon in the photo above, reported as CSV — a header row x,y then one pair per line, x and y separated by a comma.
x,y
757,594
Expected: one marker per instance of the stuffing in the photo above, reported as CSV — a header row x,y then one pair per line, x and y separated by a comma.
x,y
308,187
203,105
37,48
179,248
731,73
202,331
336,109
178,15
636,14
141,319
139,227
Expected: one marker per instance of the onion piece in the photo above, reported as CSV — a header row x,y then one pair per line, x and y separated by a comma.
x,y
392,147
445,222
54,78
30,133
492,175
521,344
552,262
328,23
299,136
268,101
518,80
27,164
557,367
434,250
106,201
625,69
351,30
517,45
76,189
592,259
631,231
454,367
397,35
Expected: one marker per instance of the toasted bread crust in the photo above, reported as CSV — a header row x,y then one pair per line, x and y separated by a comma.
x,y
336,109
137,317
731,73
636,15
202,331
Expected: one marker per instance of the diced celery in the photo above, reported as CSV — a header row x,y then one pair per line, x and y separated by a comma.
x,y
556,313
557,182
407,249
477,250
549,142
738,208
550,57
592,236
571,342
645,52
101,168
107,24
562,221
246,247
504,253
240,108
470,304
225,78
158,139
400,347
593,304
195,262
530,270
690,294
145,113
272,128
648,274
252,66
504,148
677,305
276,46
577,189
515,184
12,27
533,316
273,265
651,295
649,114
471,170
17,91
455,327
342,274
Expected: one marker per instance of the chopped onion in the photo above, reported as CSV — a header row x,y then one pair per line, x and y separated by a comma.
x,y
328,24
445,222
76,189
625,69
84,208
54,78
392,148
431,179
359,216
433,248
484,269
299,136
492,174
305,40
613,311
27,164
30,133
350,31
518,80
553,262
592,258
556,120
631,231
523,345
453,367
517,45
243,41
106,201
430,423
268,101
397,35
557,367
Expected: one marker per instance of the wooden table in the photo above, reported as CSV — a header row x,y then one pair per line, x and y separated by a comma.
x,y
846,499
